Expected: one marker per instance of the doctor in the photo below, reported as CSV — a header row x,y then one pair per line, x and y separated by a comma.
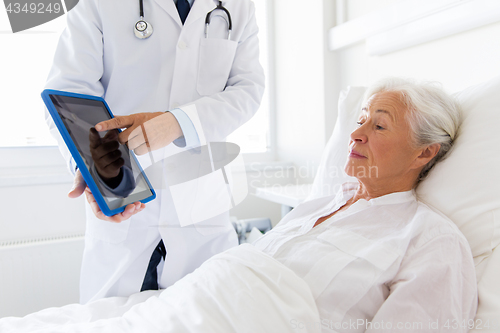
x,y
210,85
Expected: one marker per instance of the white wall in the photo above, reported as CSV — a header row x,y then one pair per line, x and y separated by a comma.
x,y
457,61
34,199
41,231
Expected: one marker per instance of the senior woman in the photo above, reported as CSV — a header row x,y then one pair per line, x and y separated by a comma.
x,y
373,254
370,258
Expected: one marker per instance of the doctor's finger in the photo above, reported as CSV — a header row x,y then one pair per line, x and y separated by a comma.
x,y
129,211
116,122
137,140
96,209
142,149
79,186
129,134
94,206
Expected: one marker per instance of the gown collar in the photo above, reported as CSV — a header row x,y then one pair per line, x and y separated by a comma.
x,y
349,189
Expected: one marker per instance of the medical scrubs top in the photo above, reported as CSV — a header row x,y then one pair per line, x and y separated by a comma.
x,y
388,264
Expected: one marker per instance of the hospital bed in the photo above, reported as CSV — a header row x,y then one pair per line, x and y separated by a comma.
x,y
465,187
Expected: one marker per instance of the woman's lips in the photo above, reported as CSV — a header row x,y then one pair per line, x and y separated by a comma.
x,y
355,154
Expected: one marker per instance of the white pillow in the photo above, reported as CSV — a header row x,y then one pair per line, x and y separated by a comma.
x,y
330,175
465,186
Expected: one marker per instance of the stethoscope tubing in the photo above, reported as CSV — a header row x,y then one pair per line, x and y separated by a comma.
x,y
228,21
141,8
143,29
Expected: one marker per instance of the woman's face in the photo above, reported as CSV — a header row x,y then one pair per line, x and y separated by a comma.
x,y
380,147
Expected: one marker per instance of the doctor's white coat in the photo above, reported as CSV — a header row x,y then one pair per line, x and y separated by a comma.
x,y
99,55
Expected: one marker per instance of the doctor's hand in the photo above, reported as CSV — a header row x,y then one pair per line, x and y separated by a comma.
x,y
79,186
144,131
129,211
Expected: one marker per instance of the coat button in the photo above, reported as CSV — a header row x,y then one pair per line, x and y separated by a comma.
x,y
182,45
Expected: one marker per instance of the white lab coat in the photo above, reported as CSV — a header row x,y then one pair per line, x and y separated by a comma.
x,y
98,54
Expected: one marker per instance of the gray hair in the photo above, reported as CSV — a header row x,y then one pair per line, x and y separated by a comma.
x,y
434,116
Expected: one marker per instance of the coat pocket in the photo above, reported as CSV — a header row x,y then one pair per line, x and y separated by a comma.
x,y
214,66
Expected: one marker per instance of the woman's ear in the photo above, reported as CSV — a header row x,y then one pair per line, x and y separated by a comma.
x,y
426,154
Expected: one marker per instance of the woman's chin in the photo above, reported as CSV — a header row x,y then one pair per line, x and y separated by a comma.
x,y
360,170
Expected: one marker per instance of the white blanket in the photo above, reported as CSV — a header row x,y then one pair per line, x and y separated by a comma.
x,y
240,290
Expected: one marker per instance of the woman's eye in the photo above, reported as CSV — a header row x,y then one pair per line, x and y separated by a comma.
x,y
359,123
379,127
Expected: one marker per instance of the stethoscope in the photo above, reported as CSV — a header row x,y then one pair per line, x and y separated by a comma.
x,y
143,29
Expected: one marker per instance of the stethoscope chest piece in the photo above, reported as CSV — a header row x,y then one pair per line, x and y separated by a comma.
x,y
143,29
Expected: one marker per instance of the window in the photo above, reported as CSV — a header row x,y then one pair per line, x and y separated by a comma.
x,y
254,136
24,63
25,68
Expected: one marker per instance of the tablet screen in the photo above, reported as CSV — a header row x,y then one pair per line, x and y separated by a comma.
x,y
79,116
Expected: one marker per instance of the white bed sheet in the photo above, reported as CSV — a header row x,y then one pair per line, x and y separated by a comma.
x,y
240,290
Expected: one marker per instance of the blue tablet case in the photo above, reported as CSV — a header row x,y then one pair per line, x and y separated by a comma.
x,y
76,154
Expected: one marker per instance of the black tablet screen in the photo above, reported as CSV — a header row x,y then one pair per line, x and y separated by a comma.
x,y
118,184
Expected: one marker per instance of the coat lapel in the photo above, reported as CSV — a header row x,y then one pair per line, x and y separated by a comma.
x,y
199,10
169,7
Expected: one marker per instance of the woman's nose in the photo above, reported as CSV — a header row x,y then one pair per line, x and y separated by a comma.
x,y
358,135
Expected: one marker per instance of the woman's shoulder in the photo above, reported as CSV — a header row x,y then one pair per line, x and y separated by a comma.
x,y
434,224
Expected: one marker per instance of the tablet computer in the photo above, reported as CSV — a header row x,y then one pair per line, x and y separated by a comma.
x,y
75,116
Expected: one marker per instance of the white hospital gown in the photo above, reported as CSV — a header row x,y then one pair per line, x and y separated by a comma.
x,y
390,264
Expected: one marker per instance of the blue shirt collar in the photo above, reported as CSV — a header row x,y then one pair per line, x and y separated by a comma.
x,y
190,2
